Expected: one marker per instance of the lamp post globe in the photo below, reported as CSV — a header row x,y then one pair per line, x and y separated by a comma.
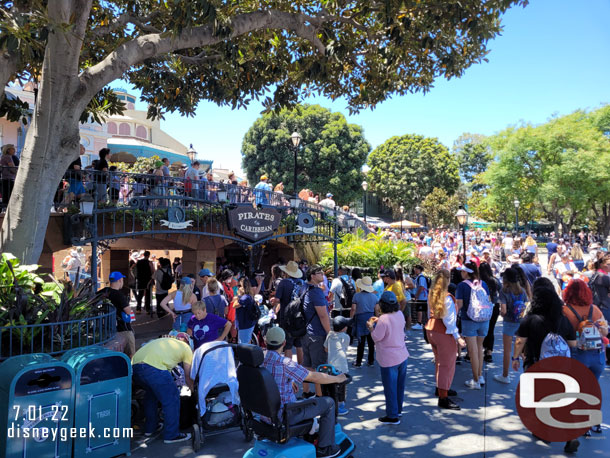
x,y
517,203
402,210
462,218
365,186
296,141
191,153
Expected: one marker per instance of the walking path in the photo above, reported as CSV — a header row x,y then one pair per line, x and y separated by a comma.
x,y
487,425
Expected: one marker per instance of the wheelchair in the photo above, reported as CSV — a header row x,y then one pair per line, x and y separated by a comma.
x,y
260,396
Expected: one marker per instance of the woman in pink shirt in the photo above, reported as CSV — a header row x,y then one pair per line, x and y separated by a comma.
x,y
391,353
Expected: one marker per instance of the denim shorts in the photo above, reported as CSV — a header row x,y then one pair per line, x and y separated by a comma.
x,y
509,328
474,328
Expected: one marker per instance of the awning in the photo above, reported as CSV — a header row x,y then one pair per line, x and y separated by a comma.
x,y
405,224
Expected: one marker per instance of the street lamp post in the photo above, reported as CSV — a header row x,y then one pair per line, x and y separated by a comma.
x,y
296,141
417,210
191,153
365,186
517,203
462,218
402,210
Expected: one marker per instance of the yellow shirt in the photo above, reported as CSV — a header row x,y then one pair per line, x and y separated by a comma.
x,y
164,353
396,288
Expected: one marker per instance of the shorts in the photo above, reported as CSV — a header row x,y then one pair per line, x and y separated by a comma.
x,y
313,351
474,328
509,328
292,342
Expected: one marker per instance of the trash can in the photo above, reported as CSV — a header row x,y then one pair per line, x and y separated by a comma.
x,y
37,407
102,389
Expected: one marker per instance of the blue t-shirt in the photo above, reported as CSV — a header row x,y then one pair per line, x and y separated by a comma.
x,y
379,288
216,305
463,292
206,330
365,302
531,271
244,313
551,247
421,281
314,298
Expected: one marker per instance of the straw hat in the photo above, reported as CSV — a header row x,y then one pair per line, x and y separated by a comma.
x,y
292,269
365,284
6,147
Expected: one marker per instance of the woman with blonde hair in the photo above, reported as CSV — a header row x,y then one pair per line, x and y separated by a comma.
x,y
578,257
530,246
183,299
444,337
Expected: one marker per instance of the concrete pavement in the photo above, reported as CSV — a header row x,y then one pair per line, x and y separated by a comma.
x,y
487,425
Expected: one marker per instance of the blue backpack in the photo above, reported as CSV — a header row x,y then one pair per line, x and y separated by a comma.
x,y
517,310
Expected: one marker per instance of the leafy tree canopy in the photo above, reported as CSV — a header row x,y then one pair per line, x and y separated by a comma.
x,y
329,159
406,169
473,157
440,208
559,170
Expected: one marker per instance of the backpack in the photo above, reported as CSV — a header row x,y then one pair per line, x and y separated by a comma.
x,y
166,280
480,308
517,310
294,321
587,334
348,293
554,345
255,313
428,281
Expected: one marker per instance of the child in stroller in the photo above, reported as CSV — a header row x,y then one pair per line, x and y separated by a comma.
x,y
215,398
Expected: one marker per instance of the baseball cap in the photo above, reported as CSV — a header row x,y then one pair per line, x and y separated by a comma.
x,y
264,177
340,322
328,194
205,273
275,336
388,273
388,297
115,276
465,269
186,280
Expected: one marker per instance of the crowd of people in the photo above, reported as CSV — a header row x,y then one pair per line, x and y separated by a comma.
x,y
457,301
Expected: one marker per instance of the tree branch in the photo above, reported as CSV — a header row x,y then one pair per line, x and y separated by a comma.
x,y
128,18
152,45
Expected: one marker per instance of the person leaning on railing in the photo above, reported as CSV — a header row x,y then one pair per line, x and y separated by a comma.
x,y
9,171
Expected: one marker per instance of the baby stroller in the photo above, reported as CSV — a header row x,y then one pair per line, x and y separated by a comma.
x,y
216,399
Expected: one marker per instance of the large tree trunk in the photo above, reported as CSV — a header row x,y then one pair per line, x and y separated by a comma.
x,y
52,140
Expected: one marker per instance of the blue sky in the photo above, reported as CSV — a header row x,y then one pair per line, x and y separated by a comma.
x,y
552,58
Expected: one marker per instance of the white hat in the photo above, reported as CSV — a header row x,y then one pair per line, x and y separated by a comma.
x,y
292,269
365,284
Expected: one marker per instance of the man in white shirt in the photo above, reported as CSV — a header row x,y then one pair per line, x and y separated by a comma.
x,y
328,202
507,243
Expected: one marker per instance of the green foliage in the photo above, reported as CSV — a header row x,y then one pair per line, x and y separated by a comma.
x,y
406,169
440,208
559,170
370,252
473,156
330,156
141,165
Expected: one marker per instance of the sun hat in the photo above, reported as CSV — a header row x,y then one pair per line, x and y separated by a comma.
x,y
464,269
275,336
292,269
6,147
365,284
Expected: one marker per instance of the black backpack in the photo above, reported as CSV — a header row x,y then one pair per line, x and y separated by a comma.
x,y
255,313
428,281
348,293
166,280
294,321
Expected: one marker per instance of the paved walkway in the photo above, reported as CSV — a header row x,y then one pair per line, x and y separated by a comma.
x,y
487,425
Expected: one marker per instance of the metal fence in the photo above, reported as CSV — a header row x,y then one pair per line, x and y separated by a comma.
x,y
56,338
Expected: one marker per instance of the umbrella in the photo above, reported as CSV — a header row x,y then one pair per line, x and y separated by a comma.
x,y
406,224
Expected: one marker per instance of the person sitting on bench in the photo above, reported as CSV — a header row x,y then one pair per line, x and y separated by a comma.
x,y
287,374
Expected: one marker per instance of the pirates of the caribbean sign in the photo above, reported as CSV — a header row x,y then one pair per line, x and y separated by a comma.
x,y
253,224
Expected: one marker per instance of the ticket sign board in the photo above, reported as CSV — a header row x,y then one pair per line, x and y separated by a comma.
x,y
253,224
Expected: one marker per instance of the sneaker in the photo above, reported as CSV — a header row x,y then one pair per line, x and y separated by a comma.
x,y
472,384
389,421
571,446
179,438
487,358
328,452
449,393
417,326
159,428
342,410
502,379
446,403
481,380
308,395
356,365
370,364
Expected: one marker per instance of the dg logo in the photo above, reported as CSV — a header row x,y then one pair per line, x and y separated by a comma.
x,y
558,399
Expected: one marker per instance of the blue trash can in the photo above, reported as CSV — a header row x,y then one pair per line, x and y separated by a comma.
x,y
102,387
36,402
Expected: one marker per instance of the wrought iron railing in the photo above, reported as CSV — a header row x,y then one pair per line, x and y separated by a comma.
x,y
57,338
